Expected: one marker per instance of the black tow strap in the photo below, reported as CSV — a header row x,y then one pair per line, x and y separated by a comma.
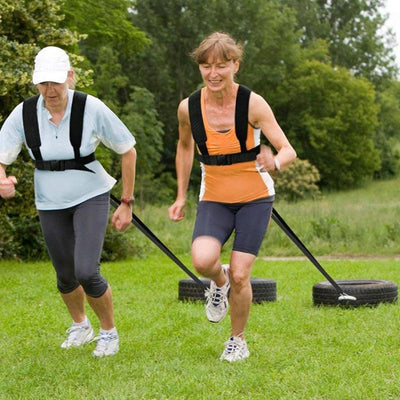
x,y
32,135
286,228
147,232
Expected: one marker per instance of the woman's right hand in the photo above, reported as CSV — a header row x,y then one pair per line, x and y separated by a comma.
x,y
7,187
176,210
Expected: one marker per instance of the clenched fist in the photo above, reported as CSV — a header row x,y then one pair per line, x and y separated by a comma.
x,y
7,187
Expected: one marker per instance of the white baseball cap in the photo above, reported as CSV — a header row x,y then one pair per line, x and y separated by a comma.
x,y
51,65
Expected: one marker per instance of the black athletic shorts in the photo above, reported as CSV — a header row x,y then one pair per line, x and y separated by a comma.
x,y
248,220
74,237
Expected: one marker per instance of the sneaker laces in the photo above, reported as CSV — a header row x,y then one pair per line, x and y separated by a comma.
x,y
233,344
103,339
214,296
72,333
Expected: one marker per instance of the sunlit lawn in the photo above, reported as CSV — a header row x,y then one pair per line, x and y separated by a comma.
x,y
170,351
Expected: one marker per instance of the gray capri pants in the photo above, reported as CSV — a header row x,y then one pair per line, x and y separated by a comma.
x,y
249,220
74,238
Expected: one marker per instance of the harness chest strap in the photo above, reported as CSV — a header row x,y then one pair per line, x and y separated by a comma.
x,y
241,123
32,135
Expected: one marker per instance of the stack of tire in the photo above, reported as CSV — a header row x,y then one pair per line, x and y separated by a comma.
x,y
263,290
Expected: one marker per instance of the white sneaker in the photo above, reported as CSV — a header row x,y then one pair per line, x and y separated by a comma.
x,y
107,344
78,335
235,350
217,299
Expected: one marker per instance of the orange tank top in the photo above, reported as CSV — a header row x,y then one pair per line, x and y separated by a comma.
x,y
236,183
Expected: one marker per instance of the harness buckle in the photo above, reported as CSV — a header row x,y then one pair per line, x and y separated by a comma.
x,y
220,159
57,165
224,159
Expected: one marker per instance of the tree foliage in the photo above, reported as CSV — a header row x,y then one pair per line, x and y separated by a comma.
x,y
104,23
353,31
141,117
331,118
109,41
387,139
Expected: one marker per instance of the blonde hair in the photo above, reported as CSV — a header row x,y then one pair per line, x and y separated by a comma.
x,y
218,45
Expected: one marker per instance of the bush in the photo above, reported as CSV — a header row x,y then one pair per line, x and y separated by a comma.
x,y
20,232
297,181
389,148
117,246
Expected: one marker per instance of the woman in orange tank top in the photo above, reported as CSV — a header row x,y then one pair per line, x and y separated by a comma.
x,y
234,197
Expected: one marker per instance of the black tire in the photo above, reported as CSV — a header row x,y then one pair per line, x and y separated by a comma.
x,y
367,292
263,290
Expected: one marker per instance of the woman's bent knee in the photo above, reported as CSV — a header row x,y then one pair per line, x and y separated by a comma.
x,y
66,287
204,262
94,285
205,253
203,268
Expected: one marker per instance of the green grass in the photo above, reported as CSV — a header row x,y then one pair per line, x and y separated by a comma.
x,y
169,350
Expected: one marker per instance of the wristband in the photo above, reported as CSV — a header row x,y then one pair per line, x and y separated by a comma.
x,y
277,164
128,200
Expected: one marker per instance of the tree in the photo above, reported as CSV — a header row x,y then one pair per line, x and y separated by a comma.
x,y
109,30
389,114
387,138
109,24
331,117
141,117
354,33
356,39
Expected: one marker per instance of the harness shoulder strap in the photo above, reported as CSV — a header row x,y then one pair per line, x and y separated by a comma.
x,y
76,121
241,125
196,122
31,126
242,115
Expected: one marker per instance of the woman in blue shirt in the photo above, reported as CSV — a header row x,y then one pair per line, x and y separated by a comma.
x,y
72,189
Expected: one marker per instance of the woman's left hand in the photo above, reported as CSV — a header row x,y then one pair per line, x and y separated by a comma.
x,y
122,217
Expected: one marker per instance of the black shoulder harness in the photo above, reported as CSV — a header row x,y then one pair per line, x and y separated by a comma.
x,y
32,135
241,122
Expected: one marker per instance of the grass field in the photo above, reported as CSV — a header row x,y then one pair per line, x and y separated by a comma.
x,y
170,351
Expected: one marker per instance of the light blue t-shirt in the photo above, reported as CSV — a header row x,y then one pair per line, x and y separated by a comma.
x,y
62,189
